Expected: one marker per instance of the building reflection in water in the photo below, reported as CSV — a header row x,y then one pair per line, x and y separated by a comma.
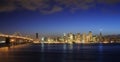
x,y
42,47
100,49
71,46
42,58
4,49
64,48
4,54
64,53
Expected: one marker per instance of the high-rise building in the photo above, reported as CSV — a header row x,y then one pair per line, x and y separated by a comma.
x,y
64,34
70,37
90,36
83,38
94,39
78,38
100,37
37,40
37,36
65,38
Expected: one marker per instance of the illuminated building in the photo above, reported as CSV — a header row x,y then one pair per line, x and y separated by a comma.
x,y
90,36
100,37
49,40
61,39
70,38
83,38
94,39
87,39
42,39
65,38
78,38
45,39
64,34
37,39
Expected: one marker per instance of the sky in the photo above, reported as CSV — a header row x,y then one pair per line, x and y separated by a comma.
x,y
60,16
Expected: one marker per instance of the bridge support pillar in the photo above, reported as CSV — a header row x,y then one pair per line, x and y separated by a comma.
x,y
7,40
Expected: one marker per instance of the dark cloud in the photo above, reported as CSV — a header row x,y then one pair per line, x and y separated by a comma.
x,y
7,5
51,6
33,4
109,1
82,4
54,9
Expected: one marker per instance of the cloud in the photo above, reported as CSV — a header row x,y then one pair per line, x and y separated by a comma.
x,y
52,6
82,4
32,4
109,1
7,8
53,10
7,5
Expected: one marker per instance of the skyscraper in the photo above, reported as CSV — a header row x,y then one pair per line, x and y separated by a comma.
x,y
100,37
37,36
90,36
83,38
37,40
78,38
70,37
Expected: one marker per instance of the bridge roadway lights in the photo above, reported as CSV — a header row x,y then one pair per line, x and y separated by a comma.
x,y
15,41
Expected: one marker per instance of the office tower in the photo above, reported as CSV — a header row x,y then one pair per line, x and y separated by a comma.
x,y
90,36
37,39
65,38
78,38
64,34
37,36
94,39
70,37
83,38
100,37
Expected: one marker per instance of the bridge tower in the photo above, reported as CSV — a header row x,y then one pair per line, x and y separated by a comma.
x,y
17,34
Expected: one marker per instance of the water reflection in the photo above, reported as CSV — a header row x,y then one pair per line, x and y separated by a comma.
x,y
4,54
64,51
100,49
4,49
59,53
42,47
70,46
64,48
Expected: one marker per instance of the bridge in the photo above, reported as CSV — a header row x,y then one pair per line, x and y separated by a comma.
x,y
14,39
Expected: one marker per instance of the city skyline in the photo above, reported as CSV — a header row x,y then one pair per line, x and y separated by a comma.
x,y
60,16
59,30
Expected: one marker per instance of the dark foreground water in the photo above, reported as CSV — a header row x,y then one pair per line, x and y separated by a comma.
x,y
61,53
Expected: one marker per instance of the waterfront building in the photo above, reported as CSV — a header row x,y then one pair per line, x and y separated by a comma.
x,y
70,37
65,38
78,38
94,39
83,38
90,36
100,37
37,40
37,36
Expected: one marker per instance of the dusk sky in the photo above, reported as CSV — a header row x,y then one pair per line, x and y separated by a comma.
x,y
60,16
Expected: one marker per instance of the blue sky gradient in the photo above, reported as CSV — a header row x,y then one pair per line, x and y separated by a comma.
x,y
103,17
